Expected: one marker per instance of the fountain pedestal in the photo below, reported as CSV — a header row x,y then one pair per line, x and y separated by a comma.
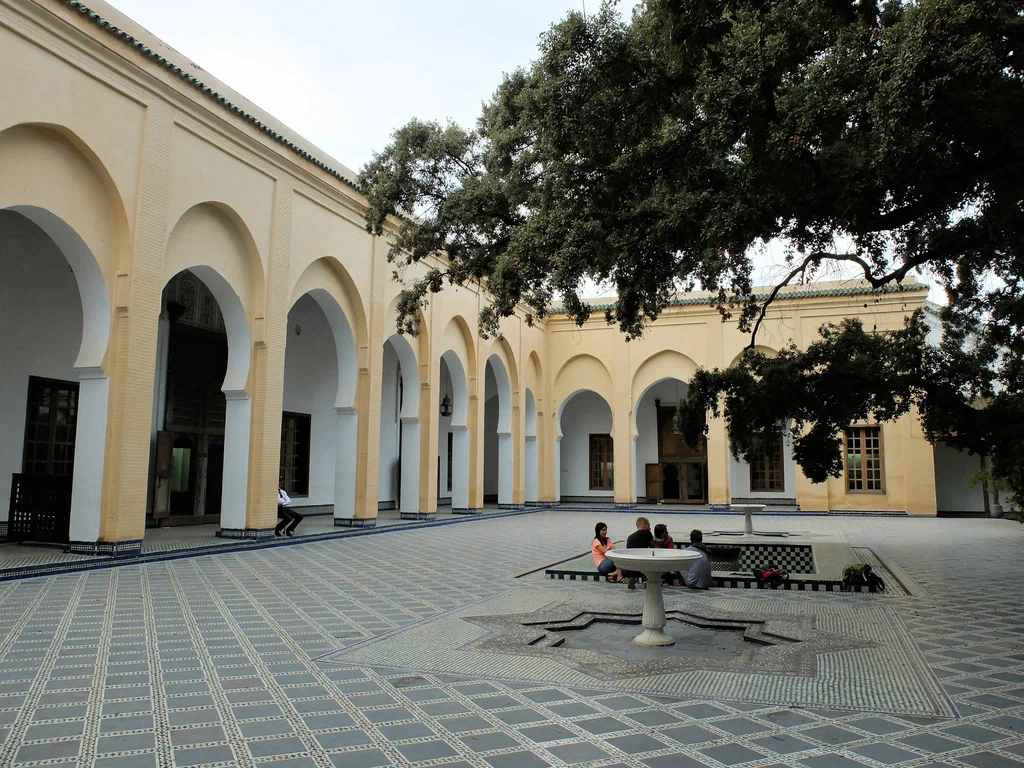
x,y
652,563
748,522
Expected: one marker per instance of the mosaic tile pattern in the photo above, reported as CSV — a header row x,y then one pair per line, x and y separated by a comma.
x,y
832,660
210,661
795,558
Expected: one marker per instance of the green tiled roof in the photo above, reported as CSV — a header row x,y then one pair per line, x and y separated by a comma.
x,y
202,87
809,293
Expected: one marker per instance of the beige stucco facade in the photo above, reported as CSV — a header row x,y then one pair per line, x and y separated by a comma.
x,y
137,172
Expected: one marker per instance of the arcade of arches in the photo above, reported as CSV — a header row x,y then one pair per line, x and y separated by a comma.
x,y
210,321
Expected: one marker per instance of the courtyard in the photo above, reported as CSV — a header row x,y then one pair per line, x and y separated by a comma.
x,y
374,650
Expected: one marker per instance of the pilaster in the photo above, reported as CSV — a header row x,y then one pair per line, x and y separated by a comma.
x,y
518,448
368,392
718,463
622,430
475,421
266,374
919,463
132,354
430,377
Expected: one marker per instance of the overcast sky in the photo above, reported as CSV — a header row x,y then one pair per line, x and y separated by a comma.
x,y
345,74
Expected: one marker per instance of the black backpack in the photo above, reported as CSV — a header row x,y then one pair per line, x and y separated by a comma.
x,y
861,575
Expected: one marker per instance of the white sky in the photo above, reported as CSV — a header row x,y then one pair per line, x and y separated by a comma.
x,y
345,74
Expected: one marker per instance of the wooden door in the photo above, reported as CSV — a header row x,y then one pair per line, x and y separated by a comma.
x,y
654,491
214,475
162,475
672,481
184,460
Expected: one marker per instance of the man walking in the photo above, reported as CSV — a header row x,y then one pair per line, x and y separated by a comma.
x,y
288,519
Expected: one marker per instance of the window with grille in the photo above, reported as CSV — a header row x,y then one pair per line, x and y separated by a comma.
x,y
767,471
864,460
295,433
50,427
601,465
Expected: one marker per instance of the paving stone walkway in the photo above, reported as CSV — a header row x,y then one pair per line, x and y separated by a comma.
x,y
212,661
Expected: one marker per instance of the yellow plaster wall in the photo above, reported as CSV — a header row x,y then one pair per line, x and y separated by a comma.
x,y
133,155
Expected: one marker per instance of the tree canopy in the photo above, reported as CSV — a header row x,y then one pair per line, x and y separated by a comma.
x,y
656,153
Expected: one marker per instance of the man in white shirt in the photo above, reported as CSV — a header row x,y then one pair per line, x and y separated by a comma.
x,y
287,518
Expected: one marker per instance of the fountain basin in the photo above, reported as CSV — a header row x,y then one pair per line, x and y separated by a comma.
x,y
652,563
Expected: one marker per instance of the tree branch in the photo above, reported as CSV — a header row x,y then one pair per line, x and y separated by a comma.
x,y
897,275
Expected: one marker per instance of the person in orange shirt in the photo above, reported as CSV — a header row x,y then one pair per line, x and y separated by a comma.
x,y
598,548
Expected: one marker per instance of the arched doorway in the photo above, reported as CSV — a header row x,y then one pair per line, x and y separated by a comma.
x,y
585,452
498,456
201,409
399,481
667,469
319,424
453,435
531,454
54,391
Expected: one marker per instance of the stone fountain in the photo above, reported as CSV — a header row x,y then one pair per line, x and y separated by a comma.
x,y
652,563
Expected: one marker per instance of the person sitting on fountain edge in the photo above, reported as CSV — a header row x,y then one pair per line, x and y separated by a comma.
x,y
699,574
663,540
601,545
639,539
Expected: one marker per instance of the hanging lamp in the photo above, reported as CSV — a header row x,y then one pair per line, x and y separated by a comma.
x,y
675,425
446,401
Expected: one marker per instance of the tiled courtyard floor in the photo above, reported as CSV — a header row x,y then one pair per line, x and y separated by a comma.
x,y
169,539
217,660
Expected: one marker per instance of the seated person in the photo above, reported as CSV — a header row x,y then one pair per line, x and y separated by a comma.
x,y
598,548
699,574
639,539
662,540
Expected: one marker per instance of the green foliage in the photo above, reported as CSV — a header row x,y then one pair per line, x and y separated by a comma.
x,y
998,486
653,154
818,392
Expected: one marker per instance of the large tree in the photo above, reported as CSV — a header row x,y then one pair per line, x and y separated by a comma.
x,y
658,153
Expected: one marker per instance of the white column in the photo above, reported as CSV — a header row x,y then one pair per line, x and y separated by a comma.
x,y
460,467
90,446
505,468
346,460
235,491
410,464
532,493
163,337
558,470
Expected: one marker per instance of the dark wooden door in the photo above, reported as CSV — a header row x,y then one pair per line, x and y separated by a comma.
x,y
214,475
50,427
672,481
184,458
196,415
653,477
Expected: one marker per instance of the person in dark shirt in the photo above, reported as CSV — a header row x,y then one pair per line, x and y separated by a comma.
x,y
699,574
663,540
639,539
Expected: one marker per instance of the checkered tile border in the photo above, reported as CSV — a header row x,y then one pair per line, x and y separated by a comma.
x,y
795,558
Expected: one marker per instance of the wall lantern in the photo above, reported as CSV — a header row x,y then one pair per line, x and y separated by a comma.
x,y
446,401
